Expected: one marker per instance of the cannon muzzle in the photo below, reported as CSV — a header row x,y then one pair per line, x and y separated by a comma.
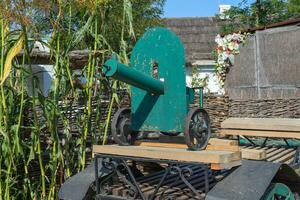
x,y
112,68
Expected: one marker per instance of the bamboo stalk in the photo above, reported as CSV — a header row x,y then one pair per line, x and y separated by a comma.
x,y
41,143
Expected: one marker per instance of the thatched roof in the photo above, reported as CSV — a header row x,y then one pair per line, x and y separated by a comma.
x,y
78,58
198,35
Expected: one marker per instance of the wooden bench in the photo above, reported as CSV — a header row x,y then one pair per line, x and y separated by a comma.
x,y
262,127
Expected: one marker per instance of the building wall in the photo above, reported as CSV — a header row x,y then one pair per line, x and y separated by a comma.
x,y
204,71
268,66
44,74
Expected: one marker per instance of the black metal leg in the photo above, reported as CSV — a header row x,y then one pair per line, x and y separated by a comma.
x,y
160,183
97,175
183,174
206,179
133,180
250,140
265,141
287,143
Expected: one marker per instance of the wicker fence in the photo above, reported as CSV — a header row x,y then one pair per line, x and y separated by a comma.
x,y
277,108
217,107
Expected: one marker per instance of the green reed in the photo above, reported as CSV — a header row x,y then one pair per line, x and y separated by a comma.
x,y
37,149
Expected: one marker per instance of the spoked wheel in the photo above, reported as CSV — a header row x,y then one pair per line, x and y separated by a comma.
x,y
279,191
121,128
197,129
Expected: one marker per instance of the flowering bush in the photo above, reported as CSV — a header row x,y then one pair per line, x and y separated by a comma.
x,y
228,47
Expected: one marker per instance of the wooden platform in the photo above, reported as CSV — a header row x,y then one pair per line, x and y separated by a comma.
x,y
275,124
176,154
262,127
247,152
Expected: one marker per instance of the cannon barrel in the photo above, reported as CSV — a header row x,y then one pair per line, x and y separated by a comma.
x,y
112,68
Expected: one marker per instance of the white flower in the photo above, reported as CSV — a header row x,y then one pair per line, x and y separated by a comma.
x,y
231,58
229,37
228,46
219,40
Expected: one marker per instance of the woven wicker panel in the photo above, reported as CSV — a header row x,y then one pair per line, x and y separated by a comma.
x,y
268,108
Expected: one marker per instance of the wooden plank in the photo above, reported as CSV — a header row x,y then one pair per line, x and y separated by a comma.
x,y
277,151
283,153
270,134
168,153
271,150
275,124
217,141
164,145
222,148
286,157
290,161
254,154
220,166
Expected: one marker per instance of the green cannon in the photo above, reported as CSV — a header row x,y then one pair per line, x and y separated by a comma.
x,y
160,100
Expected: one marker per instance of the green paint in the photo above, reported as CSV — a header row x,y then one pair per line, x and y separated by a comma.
x,y
271,142
201,97
279,190
121,72
157,76
166,112
190,95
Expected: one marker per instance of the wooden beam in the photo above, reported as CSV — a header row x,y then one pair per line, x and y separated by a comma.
x,y
269,124
223,142
168,154
257,133
254,154
281,154
286,157
223,148
160,144
220,166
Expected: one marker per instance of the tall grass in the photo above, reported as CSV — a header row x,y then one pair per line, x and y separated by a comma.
x,y
37,150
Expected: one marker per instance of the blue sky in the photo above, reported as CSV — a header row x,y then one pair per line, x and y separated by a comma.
x,y
195,8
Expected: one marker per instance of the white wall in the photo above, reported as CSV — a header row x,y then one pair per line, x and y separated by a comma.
x,y
213,85
44,75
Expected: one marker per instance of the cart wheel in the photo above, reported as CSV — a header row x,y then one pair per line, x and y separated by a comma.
x,y
197,129
279,191
121,128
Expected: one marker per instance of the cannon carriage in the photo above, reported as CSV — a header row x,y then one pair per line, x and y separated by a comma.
x,y
160,102
159,96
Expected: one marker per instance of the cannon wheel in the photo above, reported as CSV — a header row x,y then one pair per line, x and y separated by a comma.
x,y
197,129
121,128
279,191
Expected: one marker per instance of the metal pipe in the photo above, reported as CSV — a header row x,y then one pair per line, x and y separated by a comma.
x,y
112,68
201,98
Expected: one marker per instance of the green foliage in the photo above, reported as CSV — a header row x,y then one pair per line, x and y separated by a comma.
x,y
259,14
36,145
294,7
143,14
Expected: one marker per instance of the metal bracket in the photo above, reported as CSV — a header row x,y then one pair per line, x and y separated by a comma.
x,y
181,174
